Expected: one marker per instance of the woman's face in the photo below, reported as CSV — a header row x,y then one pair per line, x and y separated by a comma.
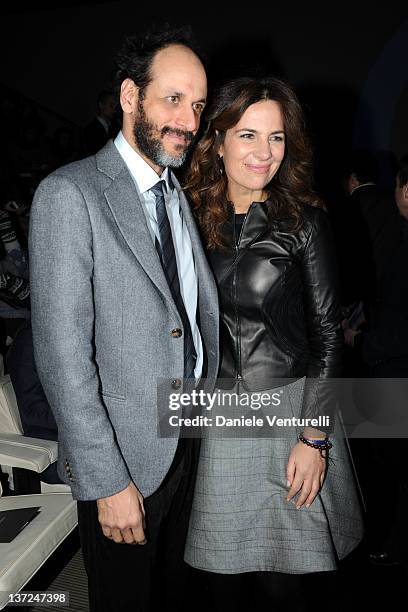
x,y
253,150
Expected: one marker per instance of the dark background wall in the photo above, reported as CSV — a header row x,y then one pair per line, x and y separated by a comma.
x,y
348,63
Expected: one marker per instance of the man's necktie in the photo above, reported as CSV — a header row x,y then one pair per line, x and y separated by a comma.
x,y
169,263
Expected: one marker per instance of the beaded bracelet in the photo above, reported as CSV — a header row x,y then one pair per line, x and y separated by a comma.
x,y
320,445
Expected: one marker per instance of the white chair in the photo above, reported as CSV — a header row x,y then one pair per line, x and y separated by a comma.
x,y
39,453
10,421
23,557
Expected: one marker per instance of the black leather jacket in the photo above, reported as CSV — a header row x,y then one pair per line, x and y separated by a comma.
x,y
280,314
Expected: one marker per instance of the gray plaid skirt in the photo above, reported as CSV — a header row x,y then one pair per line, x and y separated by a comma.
x,y
241,521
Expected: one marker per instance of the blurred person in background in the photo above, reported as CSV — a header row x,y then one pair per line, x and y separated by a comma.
x,y
384,348
63,147
14,267
35,412
102,127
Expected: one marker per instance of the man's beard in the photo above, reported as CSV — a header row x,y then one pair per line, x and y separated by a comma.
x,y
152,146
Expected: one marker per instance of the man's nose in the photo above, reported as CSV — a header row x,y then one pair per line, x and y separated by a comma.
x,y
188,119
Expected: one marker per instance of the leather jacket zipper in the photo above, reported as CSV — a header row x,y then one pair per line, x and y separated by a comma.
x,y
237,318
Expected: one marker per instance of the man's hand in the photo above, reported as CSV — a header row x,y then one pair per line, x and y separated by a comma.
x,y
305,473
349,336
122,516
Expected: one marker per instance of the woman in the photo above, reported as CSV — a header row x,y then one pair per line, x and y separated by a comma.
x,y
270,508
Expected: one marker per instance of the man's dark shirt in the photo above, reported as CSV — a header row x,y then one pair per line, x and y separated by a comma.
x,y
388,338
380,215
355,253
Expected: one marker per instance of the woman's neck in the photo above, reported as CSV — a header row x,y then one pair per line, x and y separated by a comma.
x,y
241,209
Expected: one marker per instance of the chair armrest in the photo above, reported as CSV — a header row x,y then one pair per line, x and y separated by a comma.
x,y
29,453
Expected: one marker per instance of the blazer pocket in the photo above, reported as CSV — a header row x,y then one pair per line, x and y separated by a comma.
x,y
113,396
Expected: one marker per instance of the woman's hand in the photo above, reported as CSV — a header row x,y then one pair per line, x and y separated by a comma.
x,y
305,473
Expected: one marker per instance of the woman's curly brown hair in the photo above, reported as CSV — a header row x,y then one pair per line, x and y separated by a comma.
x,y
291,187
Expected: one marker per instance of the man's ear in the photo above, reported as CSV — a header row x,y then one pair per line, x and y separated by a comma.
x,y
129,95
405,192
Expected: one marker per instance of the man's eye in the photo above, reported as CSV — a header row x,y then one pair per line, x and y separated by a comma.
x,y
198,108
173,99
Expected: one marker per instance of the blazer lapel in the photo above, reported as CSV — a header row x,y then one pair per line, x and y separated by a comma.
x,y
207,292
126,208
207,312
203,271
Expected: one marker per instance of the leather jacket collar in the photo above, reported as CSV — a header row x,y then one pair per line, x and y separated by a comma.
x,y
255,223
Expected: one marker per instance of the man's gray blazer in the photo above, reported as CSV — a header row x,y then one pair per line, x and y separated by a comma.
x,y
102,316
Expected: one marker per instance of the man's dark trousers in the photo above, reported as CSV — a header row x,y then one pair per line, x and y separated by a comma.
x,y
125,577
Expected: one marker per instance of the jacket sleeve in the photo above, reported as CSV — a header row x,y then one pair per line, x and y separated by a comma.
x,y
323,315
61,267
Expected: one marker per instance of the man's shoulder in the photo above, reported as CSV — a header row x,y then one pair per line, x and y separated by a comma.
x,y
369,193
75,170
80,174
67,182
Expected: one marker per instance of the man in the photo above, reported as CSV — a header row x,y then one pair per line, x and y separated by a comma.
x,y
384,347
401,188
371,212
100,129
119,284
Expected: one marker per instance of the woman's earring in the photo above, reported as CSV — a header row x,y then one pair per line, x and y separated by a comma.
x,y
220,164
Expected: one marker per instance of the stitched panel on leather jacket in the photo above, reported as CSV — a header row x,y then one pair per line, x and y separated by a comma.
x,y
280,315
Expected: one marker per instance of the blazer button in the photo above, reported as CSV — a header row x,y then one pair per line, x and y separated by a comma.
x,y
176,333
176,383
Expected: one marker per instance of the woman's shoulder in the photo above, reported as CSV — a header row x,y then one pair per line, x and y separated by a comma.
x,y
313,215
314,220
310,220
